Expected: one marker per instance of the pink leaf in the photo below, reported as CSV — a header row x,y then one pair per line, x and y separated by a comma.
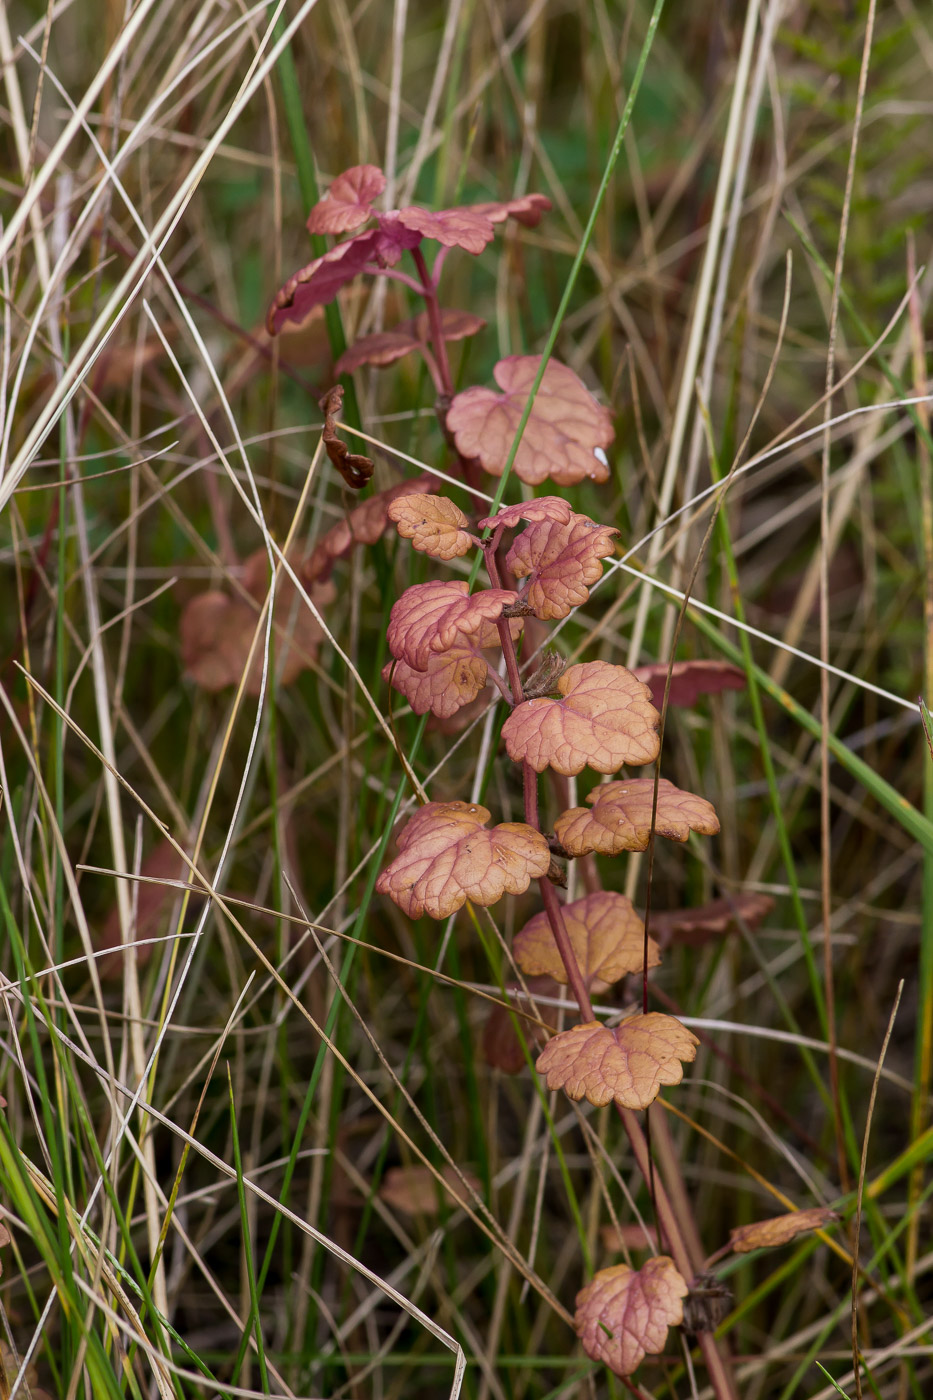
x,y
447,856
603,719
561,561
380,349
428,617
348,202
690,679
454,228
565,435
528,209
606,936
455,325
451,679
541,508
621,817
320,280
622,1314
628,1064
433,524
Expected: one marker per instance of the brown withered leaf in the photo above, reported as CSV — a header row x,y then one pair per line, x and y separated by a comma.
x,y
606,935
501,1046
364,524
216,631
566,434
623,1314
541,508
348,202
620,819
451,680
707,921
429,616
5,1235
603,719
153,905
447,856
689,680
628,1064
433,524
779,1229
415,1190
561,562
355,469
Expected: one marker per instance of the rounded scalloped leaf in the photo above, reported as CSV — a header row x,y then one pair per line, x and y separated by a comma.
x,y
454,228
561,562
622,1313
564,438
779,1229
433,524
620,819
690,679
541,508
606,934
603,719
348,202
429,616
447,856
452,679
628,1064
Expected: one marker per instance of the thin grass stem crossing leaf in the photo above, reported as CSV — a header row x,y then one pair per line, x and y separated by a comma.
x,y
620,819
415,1190
779,1229
606,935
628,1064
566,434
434,525
603,719
623,1313
560,561
429,616
447,855
697,926
348,202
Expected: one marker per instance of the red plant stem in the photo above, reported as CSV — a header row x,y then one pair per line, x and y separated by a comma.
x,y
429,292
677,1225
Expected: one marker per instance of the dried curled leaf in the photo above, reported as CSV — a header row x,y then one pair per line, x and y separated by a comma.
x,y
721,916
355,469
541,508
690,679
216,631
628,1064
779,1229
452,679
561,561
565,436
433,524
428,617
603,719
606,935
620,819
415,1190
622,1314
447,856
348,202
364,524
502,1048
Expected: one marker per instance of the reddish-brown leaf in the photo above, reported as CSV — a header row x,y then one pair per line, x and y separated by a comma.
x,y
604,718
153,905
541,508
381,349
564,438
447,856
355,469
319,281
501,1046
606,935
216,630
348,202
628,1064
690,679
620,819
364,524
561,562
451,680
455,325
615,1239
779,1229
415,1190
721,916
433,524
454,228
623,1314
527,209
428,617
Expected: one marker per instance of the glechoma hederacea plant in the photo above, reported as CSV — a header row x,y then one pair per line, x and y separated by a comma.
x,y
447,641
